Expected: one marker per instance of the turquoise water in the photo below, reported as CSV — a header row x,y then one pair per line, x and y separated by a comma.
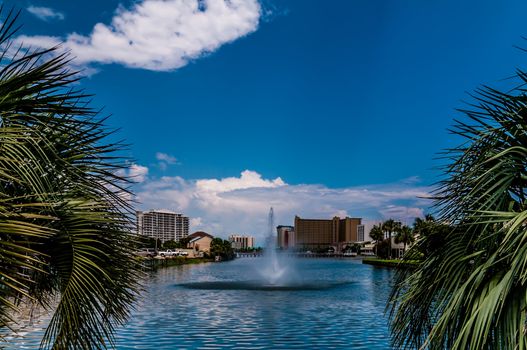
x,y
335,304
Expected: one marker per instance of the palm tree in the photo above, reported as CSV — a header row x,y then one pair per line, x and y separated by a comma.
x,y
65,228
405,235
423,226
377,234
430,235
472,293
390,227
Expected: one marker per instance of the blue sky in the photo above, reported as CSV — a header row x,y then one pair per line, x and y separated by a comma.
x,y
303,105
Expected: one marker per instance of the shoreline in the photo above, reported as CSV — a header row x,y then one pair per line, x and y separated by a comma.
x,y
151,264
399,264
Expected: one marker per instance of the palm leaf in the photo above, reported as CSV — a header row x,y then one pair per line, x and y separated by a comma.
x,y
471,293
65,220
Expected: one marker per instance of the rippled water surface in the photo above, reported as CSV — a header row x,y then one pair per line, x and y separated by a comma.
x,y
334,304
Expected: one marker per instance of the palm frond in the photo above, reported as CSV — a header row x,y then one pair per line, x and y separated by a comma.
x,y
471,292
65,215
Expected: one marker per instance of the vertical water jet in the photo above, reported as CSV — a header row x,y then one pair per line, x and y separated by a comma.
x,y
274,269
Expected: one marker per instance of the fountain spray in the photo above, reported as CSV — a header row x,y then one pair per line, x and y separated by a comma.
x,y
273,270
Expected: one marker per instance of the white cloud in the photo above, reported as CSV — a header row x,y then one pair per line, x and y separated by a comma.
x,y
160,35
396,211
137,173
166,158
247,179
241,204
39,41
196,222
45,13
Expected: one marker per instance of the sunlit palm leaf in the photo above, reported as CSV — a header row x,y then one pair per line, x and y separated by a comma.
x,y
472,292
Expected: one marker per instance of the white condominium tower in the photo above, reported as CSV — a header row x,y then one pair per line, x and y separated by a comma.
x,y
162,224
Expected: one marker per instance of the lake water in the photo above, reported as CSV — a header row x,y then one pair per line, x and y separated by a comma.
x,y
199,307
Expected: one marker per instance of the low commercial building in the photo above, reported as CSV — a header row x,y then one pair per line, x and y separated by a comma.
x,y
367,249
239,242
285,237
320,234
200,241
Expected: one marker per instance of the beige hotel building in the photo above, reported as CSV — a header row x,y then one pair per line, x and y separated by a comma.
x,y
313,234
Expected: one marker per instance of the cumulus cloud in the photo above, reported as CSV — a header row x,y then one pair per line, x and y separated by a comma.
x,y
45,13
247,179
137,173
241,204
160,35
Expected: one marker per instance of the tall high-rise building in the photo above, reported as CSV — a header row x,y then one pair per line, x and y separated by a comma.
x,y
162,224
320,234
241,242
285,237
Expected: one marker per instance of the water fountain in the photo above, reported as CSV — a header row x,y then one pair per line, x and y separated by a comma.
x,y
276,271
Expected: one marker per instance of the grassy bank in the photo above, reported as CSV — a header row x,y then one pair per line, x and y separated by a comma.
x,y
392,263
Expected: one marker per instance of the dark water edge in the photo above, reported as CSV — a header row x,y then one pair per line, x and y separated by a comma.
x,y
399,264
334,304
258,285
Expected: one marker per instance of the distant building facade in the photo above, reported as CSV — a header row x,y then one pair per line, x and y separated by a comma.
x,y
397,248
239,242
285,237
361,237
316,234
162,224
200,241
